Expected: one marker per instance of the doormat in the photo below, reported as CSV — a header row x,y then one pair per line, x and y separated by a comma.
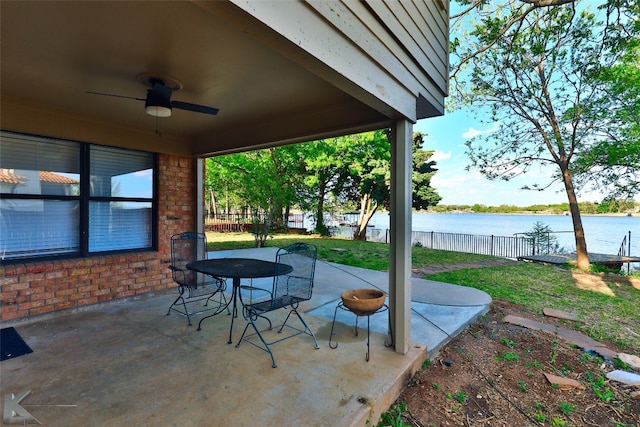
x,y
11,344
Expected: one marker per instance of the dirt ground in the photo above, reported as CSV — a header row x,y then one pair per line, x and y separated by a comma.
x,y
493,375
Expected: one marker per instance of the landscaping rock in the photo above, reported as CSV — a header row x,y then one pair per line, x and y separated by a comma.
x,y
631,360
552,312
624,377
581,340
563,382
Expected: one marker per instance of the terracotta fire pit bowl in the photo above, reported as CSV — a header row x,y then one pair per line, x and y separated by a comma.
x,y
363,302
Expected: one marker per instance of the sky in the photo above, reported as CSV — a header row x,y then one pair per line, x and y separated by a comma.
x,y
446,136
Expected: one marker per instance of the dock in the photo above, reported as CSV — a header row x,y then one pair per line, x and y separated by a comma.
x,y
611,261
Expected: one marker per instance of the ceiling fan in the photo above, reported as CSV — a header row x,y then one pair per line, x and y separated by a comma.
x,y
158,102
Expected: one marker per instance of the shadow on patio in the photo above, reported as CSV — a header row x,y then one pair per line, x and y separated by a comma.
x,y
127,363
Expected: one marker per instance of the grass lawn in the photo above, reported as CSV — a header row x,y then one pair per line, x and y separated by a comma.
x,y
606,303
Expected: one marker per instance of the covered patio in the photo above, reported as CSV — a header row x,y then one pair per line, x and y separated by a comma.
x,y
127,362
280,72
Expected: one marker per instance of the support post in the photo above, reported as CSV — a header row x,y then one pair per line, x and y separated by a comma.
x,y
400,245
199,196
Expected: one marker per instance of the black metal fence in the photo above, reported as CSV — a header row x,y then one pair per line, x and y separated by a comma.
x,y
500,246
244,221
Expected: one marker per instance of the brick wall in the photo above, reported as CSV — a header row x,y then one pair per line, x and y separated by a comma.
x,y
30,289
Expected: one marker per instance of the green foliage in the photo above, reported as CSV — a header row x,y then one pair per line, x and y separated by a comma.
x,y
365,179
566,408
544,241
540,417
317,176
606,206
617,108
619,364
508,342
534,364
613,205
393,417
461,396
598,385
561,86
424,195
259,183
509,356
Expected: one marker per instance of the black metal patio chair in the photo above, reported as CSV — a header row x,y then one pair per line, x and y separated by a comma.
x,y
193,287
287,292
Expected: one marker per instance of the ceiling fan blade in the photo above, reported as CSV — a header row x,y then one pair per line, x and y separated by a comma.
x,y
115,96
194,107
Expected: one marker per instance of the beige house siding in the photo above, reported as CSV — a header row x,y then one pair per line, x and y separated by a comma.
x,y
386,52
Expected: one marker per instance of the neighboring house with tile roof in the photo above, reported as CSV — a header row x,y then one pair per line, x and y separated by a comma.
x,y
49,182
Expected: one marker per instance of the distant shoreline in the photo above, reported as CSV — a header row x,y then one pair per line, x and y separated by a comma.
x,y
632,214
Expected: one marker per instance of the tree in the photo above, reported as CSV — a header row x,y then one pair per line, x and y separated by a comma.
x,y
537,81
424,195
365,176
263,182
543,239
324,160
499,19
354,168
613,162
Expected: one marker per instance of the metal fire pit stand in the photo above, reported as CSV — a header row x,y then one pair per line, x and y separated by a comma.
x,y
367,314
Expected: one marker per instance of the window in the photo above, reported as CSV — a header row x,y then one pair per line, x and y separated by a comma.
x,y
68,198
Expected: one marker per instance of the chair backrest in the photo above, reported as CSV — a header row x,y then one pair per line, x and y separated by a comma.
x,y
298,285
185,248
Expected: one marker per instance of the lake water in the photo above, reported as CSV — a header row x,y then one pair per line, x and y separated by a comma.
x,y
604,234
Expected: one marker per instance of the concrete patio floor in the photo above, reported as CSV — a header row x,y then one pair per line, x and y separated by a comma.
x,y
127,363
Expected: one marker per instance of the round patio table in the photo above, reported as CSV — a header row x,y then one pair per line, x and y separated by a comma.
x,y
236,269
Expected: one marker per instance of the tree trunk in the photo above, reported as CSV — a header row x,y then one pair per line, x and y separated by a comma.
x,y
367,208
320,227
285,217
278,217
214,207
582,256
226,203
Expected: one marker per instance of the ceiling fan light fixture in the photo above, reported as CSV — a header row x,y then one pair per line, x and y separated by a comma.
x,y
158,111
158,102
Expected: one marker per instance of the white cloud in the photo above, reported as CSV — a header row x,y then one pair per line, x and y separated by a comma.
x,y
440,155
472,132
